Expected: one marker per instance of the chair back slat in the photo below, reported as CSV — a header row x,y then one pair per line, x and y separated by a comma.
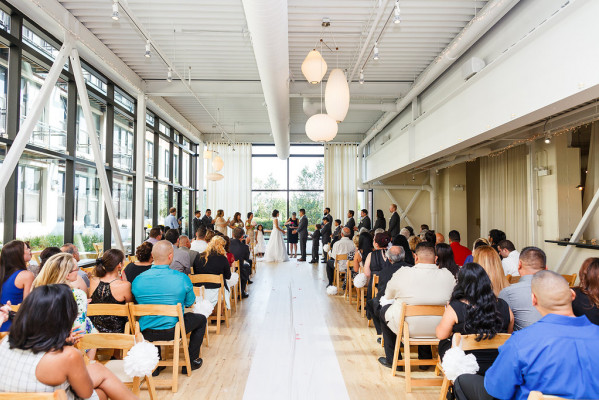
x,y
56,395
119,310
340,257
513,279
207,278
571,279
119,341
423,310
199,291
144,310
469,341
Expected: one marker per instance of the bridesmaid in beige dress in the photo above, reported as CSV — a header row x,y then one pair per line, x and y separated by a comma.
x,y
250,225
219,222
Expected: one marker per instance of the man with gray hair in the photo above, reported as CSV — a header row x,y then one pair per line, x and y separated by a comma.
x,y
82,279
558,355
343,246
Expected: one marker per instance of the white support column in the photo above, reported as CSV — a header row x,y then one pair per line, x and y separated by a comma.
x,y
401,212
200,176
16,149
533,195
582,225
95,144
433,199
140,169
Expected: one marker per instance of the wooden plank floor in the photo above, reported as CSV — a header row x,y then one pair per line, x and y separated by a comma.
x,y
230,356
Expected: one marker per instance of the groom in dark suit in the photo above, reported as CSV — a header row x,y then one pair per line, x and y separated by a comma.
x,y
364,221
351,222
394,221
302,231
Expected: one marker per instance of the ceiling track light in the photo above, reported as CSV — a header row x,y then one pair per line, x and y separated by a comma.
x,y
361,77
548,139
148,53
115,10
376,51
169,76
396,19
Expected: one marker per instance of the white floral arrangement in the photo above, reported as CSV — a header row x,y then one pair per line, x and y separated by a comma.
x,y
456,363
232,281
332,290
360,280
141,360
203,306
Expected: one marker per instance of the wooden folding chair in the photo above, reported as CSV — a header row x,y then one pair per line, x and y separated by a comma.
x,y
513,279
56,395
3,335
571,279
179,338
361,301
339,274
404,331
119,310
221,310
200,291
534,395
123,342
132,259
99,248
375,290
469,343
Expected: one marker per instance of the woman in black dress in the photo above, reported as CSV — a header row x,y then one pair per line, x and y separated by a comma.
x,y
292,238
376,259
380,222
587,292
474,309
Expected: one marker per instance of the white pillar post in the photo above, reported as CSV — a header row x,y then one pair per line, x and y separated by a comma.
x,y
140,169
16,149
95,144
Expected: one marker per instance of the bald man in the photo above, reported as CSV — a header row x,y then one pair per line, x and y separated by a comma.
x,y
439,238
558,355
163,285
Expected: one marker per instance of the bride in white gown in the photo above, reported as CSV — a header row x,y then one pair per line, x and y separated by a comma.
x,y
275,249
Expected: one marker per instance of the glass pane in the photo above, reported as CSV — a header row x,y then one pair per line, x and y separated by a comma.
x,y
184,212
306,173
51,130
84,146
89,210
94,80
186,143
3,85
2,155
263,149
40,201
149,118
176,175
163,160
185,171
35,41
123,142
4,21
317,149
163,205
263,203
149,205
269,173
164,128
149,153
313,202
124,100
122,198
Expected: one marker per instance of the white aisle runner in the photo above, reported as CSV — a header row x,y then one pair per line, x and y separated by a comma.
x,y
294,357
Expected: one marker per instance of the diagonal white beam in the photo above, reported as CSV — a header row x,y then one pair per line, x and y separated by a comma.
x,y
95,144
16,149
398,206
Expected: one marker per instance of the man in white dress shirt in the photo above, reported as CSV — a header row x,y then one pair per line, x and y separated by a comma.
x,y
343,246
510,257
200,243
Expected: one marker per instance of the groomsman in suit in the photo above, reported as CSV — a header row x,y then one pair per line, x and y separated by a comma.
x,y
328,216
394,221
197,222
351,223
364,221
325,235
207,219
302,231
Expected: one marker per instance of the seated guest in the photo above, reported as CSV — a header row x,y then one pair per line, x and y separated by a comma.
x,y
210,234
83,279
496,236
477,243
474,309
180,260
241,252
518,295
429,236
587,292
5,313
107,288
144,262
439,238
155,235
423,228
15,279
163,285
365,245
376,259
344,246
315,237
488,258
424,284
405,232
413,242
185,245
229,255
353,260
557,355
400,240
200,243
214,261
445,258
38,355
396,256
510,257
47,253
459,252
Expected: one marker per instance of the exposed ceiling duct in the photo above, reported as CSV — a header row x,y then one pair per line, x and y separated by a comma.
x,y
267,22
311,106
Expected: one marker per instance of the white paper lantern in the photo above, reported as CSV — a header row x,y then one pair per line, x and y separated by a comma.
x,y
214,176
321,128
207,154
217,163
336,95
314,67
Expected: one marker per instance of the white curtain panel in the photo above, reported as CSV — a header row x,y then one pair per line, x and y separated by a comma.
x,y
340,175
504,195
234,192
591,184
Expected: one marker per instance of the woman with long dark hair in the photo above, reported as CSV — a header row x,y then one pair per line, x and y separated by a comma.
x,y
15,279
376,260
445,258
400,240
474,309
380,222
587,292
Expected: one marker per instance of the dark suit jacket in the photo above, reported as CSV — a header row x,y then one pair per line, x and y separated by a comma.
x,y
325,234
240,251
394,225
380,223
315,238
302,227
197,222
351,222
329,218
386,274
365,223
207,221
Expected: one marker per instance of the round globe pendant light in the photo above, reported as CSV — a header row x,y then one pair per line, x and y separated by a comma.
x,y
314,67
336,95
207,154
217,163
321,128
214,176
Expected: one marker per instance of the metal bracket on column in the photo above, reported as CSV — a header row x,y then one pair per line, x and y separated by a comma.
x,y
95,145
18,146
582,225
402,212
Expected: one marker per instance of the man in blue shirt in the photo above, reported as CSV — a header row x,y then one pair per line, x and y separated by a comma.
x,y
171,220
558,355
163,285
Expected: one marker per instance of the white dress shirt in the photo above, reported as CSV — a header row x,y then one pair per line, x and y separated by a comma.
x,y
510,264
199,245
343,246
